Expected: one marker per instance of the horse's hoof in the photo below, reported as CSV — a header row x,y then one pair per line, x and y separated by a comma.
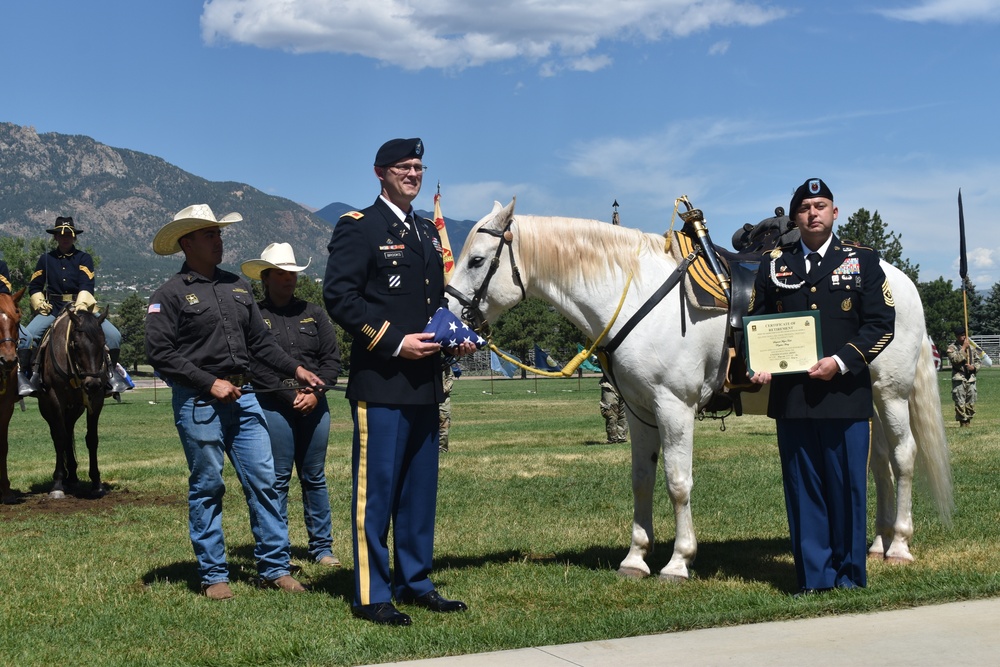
x,y
632,573
56,495
898,560
9,499
672,578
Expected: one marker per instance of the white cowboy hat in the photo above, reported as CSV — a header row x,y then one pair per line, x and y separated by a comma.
x,y
275,256
193,218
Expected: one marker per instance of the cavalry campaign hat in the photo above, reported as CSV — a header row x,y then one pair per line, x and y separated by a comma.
x,y
275,256
192,218
395,150
814,187
64,226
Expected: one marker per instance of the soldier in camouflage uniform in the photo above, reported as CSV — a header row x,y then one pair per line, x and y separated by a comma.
x,y
964,364
613,411
444,410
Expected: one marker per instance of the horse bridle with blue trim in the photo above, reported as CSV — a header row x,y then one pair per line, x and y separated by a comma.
x,y
470,307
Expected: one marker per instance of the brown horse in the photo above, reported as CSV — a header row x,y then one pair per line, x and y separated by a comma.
x,y
74,368
10,318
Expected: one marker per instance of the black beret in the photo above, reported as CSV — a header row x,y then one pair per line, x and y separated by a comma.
x,y
395,150
959,330
814,187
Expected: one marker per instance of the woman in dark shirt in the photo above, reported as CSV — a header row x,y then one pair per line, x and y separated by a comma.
x,y
298,422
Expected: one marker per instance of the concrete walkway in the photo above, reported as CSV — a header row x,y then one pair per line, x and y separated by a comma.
x,y
953,634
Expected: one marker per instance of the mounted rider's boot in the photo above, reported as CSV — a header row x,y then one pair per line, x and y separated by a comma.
x,y
117,383
29,380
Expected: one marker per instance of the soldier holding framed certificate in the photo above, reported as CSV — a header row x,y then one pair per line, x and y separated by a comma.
x,y
823,412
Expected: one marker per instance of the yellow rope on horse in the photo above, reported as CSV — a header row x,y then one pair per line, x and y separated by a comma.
x,y
580,357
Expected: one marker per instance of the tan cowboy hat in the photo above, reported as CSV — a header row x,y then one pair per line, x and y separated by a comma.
x,y
275,256
193,218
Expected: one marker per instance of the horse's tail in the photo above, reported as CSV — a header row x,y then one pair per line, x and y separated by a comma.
x,y
927,425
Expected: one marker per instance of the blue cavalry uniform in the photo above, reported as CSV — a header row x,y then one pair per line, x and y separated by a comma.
x,y
823,427
61,279
383,281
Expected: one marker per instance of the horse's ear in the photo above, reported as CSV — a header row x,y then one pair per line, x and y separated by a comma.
x,y
508,213
104,315
497,207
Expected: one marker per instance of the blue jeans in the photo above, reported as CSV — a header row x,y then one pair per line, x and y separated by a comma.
x,y
208,432
301,440
39,324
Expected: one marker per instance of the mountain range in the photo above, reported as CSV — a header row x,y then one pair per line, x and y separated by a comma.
x,y
119,198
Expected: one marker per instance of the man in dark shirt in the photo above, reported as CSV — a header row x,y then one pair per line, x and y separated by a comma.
x,y
202,329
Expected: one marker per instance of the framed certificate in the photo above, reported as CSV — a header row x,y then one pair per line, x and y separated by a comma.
x,y
783,343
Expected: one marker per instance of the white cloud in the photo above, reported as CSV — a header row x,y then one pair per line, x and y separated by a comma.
x,y
981,258
946,11
719,48
455,34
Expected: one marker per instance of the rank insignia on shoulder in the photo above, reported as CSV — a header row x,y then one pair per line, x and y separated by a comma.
x,y
268,323
357,215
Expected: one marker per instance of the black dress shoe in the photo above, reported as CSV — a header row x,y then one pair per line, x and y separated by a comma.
x,y
435,602
382,613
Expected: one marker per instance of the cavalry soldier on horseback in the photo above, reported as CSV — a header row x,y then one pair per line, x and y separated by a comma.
x,y
64,277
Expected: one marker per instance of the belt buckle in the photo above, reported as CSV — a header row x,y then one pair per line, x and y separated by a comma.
x,y
291,383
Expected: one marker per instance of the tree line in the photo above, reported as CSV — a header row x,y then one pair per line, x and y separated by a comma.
x,y
534,322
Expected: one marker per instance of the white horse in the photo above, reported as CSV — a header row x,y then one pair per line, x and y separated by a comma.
x,y
667,367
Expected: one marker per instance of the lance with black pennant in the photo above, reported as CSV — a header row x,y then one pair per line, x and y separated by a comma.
x,y
963,262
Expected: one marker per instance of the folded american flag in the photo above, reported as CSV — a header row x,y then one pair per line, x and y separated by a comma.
x,y
450,331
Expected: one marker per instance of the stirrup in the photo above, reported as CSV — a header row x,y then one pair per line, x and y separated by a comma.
x,y
28,386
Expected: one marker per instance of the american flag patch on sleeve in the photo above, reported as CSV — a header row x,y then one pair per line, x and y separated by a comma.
x,y
153,308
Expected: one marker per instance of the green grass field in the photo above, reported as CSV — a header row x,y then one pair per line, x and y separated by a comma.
x,y
534,516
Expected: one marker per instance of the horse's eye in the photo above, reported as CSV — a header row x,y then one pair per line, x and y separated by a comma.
x,y
476,262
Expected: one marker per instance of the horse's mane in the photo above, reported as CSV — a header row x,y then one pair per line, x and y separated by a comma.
x,y
560,248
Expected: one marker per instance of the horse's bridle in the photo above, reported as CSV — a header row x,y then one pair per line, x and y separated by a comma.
x,y
72,373
471,312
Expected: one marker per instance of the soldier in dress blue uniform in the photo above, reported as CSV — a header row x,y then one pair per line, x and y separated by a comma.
x,y
823,415
384,280
63,277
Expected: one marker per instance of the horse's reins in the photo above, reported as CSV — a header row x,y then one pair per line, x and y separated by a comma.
x,y
72,373
472,313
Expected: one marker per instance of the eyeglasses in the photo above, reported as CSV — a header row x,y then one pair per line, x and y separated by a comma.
x,y
403,169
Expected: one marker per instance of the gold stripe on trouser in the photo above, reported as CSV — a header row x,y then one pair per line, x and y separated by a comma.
x,y
363,572
868,463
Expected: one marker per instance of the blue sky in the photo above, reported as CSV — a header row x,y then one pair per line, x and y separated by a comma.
x,y
568,105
